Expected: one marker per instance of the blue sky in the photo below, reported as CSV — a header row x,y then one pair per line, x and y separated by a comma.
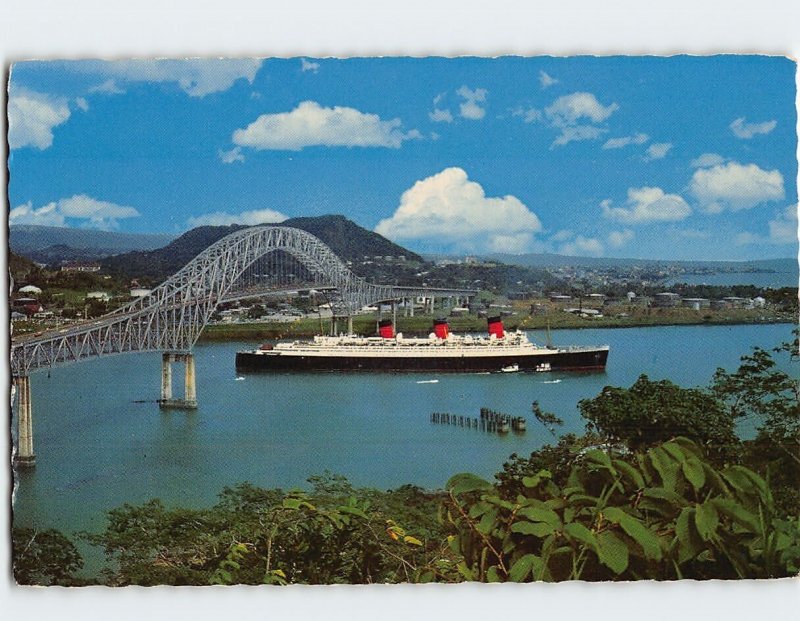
x,y
679,158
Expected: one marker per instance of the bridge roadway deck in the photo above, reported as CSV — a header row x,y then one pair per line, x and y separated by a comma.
x,y
57,339
174,314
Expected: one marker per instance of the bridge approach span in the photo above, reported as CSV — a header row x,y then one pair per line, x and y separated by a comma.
x,y
174,314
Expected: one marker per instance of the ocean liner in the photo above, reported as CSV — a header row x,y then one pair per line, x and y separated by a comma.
x,y
441,351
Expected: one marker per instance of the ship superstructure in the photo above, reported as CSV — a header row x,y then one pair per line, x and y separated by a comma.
x,y
440,351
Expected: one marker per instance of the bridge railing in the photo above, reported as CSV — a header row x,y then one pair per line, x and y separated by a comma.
x,y
173,315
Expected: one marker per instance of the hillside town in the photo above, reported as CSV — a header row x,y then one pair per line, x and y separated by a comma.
x,y
53,296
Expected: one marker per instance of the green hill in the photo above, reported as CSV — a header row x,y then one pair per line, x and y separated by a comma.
x,y
348,240
22,270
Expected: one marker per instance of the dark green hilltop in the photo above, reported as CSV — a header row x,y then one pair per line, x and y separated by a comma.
x,y
348,240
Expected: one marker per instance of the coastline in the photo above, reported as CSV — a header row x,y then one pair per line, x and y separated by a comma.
x,y
307,327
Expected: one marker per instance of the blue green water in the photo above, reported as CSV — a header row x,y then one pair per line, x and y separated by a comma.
x,y
96,449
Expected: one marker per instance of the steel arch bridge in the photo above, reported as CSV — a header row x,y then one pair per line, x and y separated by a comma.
x,y
174,314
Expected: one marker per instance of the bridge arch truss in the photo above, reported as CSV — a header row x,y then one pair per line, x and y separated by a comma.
x,y
174,314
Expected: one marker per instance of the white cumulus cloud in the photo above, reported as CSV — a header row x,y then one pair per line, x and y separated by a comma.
x,y
82,104
618,239
450,210
528,115
310,124
571,109
197,77
471,107
646,205
746,238
307,65
441,115
624,141
783,229
32,117
249,218
562,235
742,129
576,115
229,157
707,160
109,87
546,80
91,212
658,150
735,186
47,215
582,246
577,133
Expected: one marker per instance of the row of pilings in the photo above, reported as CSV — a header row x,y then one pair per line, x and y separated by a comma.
x,y
489,421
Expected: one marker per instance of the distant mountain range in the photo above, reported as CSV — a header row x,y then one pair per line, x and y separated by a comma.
x,y
157,256
54,244
545,260
348,240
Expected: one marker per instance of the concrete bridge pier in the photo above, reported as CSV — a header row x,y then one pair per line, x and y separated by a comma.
x,y
25,456
189,401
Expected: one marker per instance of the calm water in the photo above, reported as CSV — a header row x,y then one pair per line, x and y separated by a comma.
x,y
97,449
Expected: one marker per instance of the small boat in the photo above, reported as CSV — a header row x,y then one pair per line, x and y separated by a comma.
x,y
512,368
433,381
556,381
544,367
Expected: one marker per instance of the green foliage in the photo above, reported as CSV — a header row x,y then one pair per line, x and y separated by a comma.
x,y
44,557
548,419
760,390
649,413
334,534
557,460
664,514
22,270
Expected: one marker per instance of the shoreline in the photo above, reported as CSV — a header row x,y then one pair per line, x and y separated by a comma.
x,y
307,328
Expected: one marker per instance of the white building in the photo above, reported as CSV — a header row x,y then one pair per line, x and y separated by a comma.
x,y
98,295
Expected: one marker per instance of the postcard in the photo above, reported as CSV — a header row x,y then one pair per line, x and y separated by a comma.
x,y
373,320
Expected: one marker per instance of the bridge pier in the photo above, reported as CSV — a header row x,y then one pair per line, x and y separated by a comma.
x,y
25,456
189,401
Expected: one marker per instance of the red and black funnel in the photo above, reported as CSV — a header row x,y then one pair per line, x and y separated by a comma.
x,y
386,329
495,326
440,328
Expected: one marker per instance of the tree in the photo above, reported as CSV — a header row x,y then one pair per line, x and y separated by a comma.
x,y
256,311
761,391
664,514
44,557
335,534
558,460
649,413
